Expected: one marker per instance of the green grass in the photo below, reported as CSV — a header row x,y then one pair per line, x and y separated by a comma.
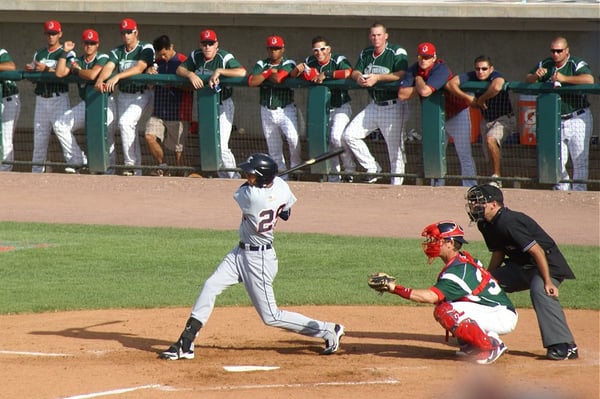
x,y
97,267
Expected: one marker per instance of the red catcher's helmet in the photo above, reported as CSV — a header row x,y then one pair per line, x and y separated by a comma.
x,y
435,233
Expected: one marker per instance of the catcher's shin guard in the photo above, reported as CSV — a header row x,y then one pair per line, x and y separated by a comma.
x,y
467,330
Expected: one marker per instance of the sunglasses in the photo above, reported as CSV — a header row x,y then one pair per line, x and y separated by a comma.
x,y
207,44
87,43
317,49
127,32
557,50
482,68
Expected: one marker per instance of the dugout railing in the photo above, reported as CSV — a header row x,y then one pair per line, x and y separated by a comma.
x,y
429,157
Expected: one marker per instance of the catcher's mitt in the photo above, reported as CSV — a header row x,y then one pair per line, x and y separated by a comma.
x,y
379,281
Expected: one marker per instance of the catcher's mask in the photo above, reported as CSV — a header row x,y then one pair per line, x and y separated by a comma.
x,y
262,166
438,232
478,196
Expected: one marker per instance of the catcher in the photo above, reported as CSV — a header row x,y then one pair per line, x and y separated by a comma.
x,y
468,301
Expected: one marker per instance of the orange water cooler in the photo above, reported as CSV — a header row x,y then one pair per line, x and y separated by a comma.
x,y
526,105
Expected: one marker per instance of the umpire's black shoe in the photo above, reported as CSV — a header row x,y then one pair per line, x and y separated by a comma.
x,y
562,352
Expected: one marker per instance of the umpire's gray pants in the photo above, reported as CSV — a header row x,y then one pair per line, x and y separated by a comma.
x,y
550,315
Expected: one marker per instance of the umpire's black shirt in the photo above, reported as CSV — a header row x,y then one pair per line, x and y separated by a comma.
x,y
515,233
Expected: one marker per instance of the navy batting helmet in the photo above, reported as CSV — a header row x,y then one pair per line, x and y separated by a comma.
x,y
262,166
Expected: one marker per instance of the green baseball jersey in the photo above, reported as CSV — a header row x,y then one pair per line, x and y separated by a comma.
x,y
99,59
573,66
465,279
272,97
124,60
336,63
392,59
8,86
197,63
50,59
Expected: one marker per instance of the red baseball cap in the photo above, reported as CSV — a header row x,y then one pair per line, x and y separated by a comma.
x,y
52,27
275,41
128,24
208,36
90,35
426,49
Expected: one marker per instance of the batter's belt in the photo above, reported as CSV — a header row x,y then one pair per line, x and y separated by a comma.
x,y
249,247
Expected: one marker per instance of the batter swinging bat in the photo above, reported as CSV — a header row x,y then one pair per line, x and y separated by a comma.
x,y
324,156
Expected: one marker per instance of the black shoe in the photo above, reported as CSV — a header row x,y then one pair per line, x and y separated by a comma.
x,y
175,352
562,352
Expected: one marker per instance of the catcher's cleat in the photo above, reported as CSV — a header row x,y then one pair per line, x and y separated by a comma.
x,y
562,352
175,352
466,350
489,357
332,346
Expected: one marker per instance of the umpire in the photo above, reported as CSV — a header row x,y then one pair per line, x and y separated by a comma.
x,y
525,257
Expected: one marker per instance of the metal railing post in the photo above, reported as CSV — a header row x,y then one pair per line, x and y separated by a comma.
x,y
434,136
548,137
317,125
96,106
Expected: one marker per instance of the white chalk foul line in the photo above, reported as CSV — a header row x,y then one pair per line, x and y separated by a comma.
x,y
113,392
316,384
34,354
232,388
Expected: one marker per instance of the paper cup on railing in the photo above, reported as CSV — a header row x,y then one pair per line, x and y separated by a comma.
x,y
527,118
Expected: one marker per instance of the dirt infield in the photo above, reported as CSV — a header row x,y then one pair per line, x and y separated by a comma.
x,y
391,351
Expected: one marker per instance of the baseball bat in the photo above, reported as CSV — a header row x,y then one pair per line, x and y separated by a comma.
x,y
324,156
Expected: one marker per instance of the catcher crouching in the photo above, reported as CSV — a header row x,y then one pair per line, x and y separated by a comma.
x,y
469,302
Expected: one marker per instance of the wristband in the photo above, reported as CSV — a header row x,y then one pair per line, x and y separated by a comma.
x,y
267,73
310,74
339,74
403,291
281,74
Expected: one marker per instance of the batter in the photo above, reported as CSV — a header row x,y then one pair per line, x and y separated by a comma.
x,y
253,262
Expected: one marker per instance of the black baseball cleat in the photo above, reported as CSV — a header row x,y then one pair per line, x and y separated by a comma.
x,y
562,351
175,352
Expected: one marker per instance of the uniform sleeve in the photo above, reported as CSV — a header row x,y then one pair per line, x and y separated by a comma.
x,y
409,77
190,63
148,54
521,234
582,68
242,197
113,57
341,63
360,63
438,77
400,60
101,59
232,62
288,66
5,56
465,77
259,67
